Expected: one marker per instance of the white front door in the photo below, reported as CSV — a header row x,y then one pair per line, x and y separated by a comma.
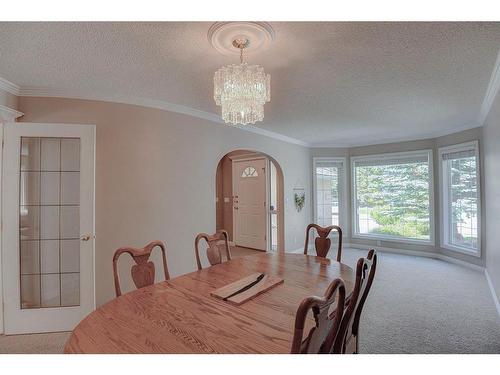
x,y
48,226
249,203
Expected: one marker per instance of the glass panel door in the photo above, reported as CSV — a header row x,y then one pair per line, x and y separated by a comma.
x,y
49,222
48,226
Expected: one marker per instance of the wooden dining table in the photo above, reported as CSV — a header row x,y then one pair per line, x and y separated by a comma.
x,y
180,315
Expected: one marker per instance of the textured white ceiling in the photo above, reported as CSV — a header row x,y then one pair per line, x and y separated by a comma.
x,y
332,83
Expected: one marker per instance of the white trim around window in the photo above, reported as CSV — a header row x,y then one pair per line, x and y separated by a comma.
x,y
343,205
444,194
381,158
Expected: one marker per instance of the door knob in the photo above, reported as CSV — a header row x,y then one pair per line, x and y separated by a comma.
x,y
236,208
86,237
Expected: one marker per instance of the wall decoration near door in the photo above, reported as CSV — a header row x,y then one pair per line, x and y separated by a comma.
x,y
299,198
249,200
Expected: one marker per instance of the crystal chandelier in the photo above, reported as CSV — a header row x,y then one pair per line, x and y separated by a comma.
x,y
242,90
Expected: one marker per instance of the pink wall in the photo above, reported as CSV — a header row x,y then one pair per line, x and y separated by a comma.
x,y
155,177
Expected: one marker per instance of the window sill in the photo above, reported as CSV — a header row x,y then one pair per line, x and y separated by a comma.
x,y
375,237
462,250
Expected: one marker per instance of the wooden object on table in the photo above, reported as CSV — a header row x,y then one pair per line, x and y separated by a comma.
x,y
321,337
322,242
347,339
180,316
264,285
143,271
215,242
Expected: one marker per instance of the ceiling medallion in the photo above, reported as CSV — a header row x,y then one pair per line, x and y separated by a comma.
x,y
241,89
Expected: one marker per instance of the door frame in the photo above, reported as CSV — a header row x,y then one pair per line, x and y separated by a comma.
x,y
267,192
6,115
242,153
2,209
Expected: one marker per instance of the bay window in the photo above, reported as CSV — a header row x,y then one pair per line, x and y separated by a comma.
x,y
328,187
393,196
460,197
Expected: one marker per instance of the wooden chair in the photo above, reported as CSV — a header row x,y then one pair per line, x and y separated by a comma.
x,y
322,336
348,337
143,271
214,254
322,242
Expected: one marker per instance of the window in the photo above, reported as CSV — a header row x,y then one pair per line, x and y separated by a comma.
x,y
328,179
392,196
460,197
249,172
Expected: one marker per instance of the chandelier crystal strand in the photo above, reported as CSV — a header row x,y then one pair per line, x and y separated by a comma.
x,y
242,90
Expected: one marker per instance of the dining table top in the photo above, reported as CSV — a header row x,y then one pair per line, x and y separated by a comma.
x,y
180,315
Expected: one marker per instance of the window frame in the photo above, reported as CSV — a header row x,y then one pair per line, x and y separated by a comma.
x,y
444,188
354,209
343,205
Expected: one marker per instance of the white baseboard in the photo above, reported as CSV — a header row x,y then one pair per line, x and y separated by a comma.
x,y
461,263
492,290
416,253
389,250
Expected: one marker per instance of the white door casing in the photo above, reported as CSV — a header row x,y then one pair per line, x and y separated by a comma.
x,y
249,203
6,115
20,317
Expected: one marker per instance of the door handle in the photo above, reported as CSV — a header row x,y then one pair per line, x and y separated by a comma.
x,y
86,237
236,208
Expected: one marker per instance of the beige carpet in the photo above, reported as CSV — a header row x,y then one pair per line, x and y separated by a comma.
x,y
417,305
424,305
34,344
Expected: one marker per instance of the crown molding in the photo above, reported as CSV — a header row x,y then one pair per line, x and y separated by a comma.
x,y
8,114
420,137
152,103
491,92
214,118
270,134
9,86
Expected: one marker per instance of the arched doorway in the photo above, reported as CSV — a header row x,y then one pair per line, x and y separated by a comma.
x,y
250,200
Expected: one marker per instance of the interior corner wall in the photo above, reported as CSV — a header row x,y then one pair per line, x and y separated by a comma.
x,y
8,100
155,178
433,144
492,193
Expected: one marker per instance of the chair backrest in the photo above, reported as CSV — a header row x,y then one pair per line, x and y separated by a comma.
x,y
365,272
143,271
372,256
322,242
321,338
215,242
